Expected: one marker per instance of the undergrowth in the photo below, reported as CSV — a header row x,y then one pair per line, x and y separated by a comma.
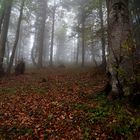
x,y
113,117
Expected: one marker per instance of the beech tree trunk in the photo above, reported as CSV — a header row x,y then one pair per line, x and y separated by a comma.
x,y
119,60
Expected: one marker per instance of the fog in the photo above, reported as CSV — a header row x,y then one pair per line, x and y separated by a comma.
x,y
58,32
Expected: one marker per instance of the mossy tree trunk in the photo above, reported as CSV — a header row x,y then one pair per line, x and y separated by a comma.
x,y
119,59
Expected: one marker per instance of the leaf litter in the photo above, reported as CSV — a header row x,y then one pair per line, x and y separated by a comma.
x,y
56,109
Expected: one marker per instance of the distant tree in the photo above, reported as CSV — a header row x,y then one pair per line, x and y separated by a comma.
x,y
102,34
60,35
82,13
20,67
16,38
4,31
2,12
40,23
26,30
89,23
83,18
41,33
52,32
46,49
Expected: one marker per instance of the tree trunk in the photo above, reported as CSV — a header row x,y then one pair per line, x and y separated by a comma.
x,y
16,38
102,34
83,39
46,48
135,21
42,33
2,12
34,51
77,52
119,61
33,56
7,53
37,51
4,32
52,35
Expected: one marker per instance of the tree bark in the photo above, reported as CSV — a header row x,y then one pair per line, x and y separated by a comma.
x,y
119,61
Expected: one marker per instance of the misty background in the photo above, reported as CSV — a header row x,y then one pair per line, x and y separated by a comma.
x,y
56,32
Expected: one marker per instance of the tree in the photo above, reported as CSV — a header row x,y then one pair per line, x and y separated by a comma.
x,y
40,23
102,34
2,12
119,60
135,21
87,25
41,32
52,33
16,38
82,13
4,31
83,17
60,35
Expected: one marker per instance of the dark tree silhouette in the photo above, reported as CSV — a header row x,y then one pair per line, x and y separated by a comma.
x,y
20,67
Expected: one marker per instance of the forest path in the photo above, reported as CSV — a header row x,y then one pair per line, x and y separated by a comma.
x,y
54,104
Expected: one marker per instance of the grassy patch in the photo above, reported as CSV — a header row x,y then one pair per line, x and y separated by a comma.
x,y
113,116
9,90
86,132
14,132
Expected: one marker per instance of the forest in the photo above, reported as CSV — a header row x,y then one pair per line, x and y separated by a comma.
x,y
69,69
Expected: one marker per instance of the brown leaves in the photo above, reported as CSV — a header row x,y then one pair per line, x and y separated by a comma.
x,y
46,106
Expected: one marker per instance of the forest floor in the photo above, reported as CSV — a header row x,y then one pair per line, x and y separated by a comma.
x,y
63,104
